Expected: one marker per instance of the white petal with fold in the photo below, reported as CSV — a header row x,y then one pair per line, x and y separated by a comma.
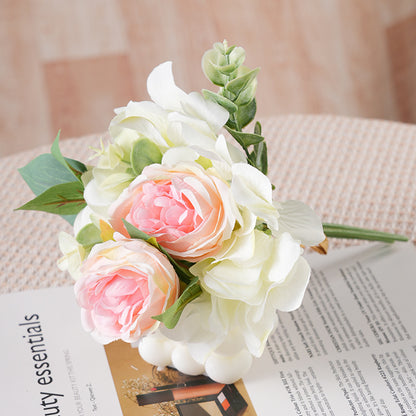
x,y
163,90
288,296
197,106
286,252
252,189
301,222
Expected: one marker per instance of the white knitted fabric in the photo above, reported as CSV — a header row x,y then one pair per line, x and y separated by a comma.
x,y
351,171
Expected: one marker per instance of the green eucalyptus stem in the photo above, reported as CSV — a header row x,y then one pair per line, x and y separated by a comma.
x,y
223,66
346,231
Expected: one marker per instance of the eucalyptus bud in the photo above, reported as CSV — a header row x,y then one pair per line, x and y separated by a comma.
x,y
221,63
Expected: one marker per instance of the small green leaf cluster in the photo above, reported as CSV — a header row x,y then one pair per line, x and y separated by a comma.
x,y
56,182
222,65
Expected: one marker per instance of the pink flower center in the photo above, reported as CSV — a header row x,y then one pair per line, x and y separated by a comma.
x,y
118,299
161,208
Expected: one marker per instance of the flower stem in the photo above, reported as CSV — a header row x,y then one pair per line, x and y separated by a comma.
x,y
346,231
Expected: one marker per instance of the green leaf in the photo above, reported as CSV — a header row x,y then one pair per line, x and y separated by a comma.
x,y
134,232
346,231
260,151
144,153
245,139
62,199
221,47
212,60
89,235
77,167
44,172
183,273
222,101
56,153
237,85
171,316
244,115
263,228
257,128
236,55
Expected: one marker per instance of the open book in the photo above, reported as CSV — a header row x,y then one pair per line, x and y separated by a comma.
x,y
349,350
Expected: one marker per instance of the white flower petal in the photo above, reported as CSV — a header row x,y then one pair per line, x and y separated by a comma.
x,y
214,114
67,242
144,129
255,183
193,329
177,155
228,282
73,255
259,322
162,88
82,219
194,132
286,252
288,296
252,189
301,222
146,118
228,151
98,200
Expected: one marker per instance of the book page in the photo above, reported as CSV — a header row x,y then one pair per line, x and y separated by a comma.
x,y
351,348
50,365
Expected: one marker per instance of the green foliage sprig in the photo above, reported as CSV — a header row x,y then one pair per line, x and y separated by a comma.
x,y
56,182
223,66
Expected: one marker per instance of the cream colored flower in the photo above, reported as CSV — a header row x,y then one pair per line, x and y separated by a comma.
x,y
248,267
174,118
73,255
220,336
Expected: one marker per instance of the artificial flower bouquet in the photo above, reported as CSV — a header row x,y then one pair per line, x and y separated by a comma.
x,y
178,245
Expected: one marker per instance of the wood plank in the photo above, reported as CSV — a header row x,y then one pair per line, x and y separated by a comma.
x,y
83,93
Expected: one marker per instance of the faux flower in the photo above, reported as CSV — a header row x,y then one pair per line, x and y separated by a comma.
x,y
170,194
189,211
252,277
124,284
172,119
220,336
73,255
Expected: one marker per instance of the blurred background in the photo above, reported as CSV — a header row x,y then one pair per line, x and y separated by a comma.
x,y
67,64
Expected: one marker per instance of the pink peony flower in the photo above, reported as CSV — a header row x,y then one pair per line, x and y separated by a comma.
x,y
124,283
189,211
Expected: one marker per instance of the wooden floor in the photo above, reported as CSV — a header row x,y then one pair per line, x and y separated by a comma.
x,y
66,64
